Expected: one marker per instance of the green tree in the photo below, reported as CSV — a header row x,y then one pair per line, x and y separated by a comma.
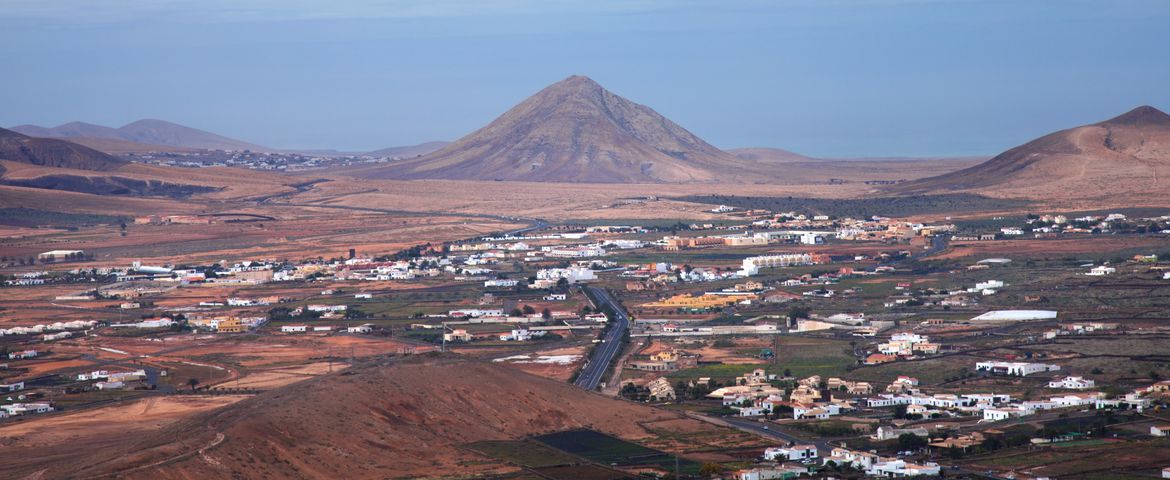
x,y
192,382
710,469
900,411
910,441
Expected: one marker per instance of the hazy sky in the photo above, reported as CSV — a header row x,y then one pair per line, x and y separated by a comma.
x,y
821,77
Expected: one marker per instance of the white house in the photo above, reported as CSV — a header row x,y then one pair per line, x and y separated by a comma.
x,y
1100,271
522,335
1015,368
902,468
997,414
363,328
294,328
571,274
1074,383
1160,430
818,411
26,408
793,453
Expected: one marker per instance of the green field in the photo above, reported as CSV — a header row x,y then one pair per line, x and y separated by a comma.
x,y
928,372
608,450
801,356
27,217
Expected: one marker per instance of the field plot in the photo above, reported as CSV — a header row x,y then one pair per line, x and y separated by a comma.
x,y
1097,246
930,371
1083,460
608,450
799,356
524,452
581,472
813,356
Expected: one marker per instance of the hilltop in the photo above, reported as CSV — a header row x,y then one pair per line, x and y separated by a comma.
x,y
48,152
410,150
769,155
576,131
396,417
146,131
1121,156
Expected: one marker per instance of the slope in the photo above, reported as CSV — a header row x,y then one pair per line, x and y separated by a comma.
x,y
159,132
50,152
576,131
1117,158
769,155
397,417
409,151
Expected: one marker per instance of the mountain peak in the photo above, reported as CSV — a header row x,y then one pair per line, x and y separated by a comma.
x,y
576,131
1143,115
575,85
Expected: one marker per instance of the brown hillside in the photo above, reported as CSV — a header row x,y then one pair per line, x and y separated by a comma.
x,y
575,131
1125,155
115,146
390,418
159,132
54,153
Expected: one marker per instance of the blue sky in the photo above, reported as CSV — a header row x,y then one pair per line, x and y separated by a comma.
x,y
821,77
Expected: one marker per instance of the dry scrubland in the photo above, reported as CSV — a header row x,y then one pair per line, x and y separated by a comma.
x,y
407,416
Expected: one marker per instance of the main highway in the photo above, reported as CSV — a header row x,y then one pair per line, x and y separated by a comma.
x,y
596,366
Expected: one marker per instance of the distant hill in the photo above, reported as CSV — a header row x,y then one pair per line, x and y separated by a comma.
x,y
70,130
577,131
409,151
49,152
147,131
1125,155
118,146
769,155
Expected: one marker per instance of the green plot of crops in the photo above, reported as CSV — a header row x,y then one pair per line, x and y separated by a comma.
x,y
813,356
609,450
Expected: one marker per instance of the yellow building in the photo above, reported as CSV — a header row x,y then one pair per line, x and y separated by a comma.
x,y
231,325
665,356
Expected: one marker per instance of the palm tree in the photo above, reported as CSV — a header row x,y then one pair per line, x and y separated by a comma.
x,y
193,382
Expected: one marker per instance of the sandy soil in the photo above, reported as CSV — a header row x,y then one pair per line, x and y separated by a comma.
x,y
279,377
77,427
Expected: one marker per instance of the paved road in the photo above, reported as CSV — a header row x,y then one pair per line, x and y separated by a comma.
x,y
603,356
757,427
